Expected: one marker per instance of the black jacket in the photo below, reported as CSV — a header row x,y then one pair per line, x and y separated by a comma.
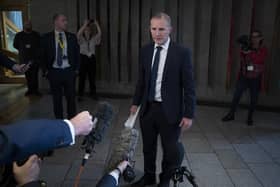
x,y
49,50
177,88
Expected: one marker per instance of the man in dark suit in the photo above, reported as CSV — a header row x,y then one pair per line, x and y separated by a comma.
x,y
27,42
60,52
165,91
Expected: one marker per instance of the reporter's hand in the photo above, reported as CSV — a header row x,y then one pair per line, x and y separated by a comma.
x,y
133,109
82,123
122,166
28,172
185,123
20,68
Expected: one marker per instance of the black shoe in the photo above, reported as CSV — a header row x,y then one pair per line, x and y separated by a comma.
x,y
228,117
94,97
28,93
250,122
37,94
147,179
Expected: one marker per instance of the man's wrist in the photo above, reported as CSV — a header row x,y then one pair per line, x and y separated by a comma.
x,y
72,130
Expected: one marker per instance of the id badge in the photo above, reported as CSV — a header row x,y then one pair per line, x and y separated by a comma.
x,y
27,46
250,68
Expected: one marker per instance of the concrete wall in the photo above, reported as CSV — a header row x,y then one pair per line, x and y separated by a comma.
x,y
203,26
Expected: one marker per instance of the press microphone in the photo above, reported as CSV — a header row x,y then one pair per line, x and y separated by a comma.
x,y
124,146
102,119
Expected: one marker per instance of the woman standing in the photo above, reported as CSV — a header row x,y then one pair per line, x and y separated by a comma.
x,y
88,40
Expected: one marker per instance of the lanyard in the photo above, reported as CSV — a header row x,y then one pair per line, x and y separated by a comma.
x,y
60,43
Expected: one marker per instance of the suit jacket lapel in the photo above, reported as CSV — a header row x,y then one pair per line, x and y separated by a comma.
x,y
167,61
52,43
67,40
150,59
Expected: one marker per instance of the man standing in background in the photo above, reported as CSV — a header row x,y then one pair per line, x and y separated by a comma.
x,y
61,58
27,42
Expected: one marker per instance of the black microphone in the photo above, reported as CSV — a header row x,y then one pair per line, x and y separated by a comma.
x,y
103,119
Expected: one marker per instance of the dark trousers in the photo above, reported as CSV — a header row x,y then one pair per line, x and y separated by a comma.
x,y
87,69
152,124
253,85
32,78
62,82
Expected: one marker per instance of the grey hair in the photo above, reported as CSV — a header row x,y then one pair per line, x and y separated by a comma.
x,y
163,15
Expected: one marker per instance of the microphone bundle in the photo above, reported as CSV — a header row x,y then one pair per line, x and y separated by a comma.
x,y
102,120
124,146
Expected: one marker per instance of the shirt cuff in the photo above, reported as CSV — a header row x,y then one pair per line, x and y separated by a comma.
x,y
72,130
116,175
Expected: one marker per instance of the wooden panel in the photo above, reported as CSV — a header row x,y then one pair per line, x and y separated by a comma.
x,y
171,7
114,32
124,13
104,61
186,23
93,8
203,41
83,11
145,21
158,6
135,42
222,44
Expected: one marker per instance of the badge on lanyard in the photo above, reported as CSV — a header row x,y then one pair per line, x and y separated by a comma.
x,y
250,68
28,46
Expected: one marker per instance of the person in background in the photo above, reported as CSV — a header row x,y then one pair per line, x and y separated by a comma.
x,y
88,41
251,73
61,61
27,42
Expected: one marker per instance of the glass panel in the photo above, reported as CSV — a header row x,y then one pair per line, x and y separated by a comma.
x,y
12,23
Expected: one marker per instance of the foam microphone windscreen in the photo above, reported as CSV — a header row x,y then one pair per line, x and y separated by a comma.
x,y
104,116
123,147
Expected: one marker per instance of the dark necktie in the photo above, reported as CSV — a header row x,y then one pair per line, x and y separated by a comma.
x,y
154,73
59,50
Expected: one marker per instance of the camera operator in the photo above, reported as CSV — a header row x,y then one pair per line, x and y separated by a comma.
x,y
252,58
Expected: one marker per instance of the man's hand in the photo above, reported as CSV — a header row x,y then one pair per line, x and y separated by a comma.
x,y
82,123
21,68
133,109
122,166
28,172
185,123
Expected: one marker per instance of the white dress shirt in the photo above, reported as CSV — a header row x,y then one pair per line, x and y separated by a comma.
x,y
87,47
65,63
161,65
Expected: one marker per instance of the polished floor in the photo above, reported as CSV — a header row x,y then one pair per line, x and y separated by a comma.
x,y
219,154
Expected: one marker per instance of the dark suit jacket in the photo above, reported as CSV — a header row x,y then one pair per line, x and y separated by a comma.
x,y
49,50
177,89
107,181
20,140
6,62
